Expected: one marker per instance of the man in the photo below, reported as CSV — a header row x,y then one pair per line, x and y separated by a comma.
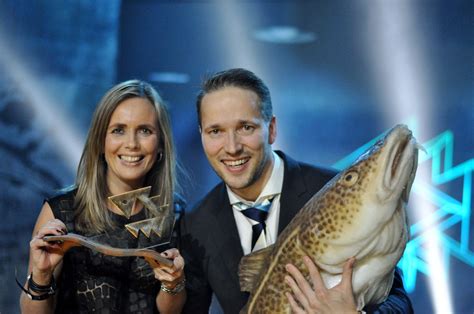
x,y
237,130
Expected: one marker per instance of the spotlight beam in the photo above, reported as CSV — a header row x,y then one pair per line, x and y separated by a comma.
x,y
48,113
401,75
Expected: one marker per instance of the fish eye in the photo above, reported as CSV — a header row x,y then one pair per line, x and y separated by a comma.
x,y
350,178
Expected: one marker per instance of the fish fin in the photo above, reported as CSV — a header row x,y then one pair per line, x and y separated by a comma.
x,y
251,266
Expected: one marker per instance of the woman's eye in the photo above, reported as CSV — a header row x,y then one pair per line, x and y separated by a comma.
x,y
117,131
145,131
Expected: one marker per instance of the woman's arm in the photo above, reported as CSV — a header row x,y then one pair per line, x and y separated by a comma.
x,y
45,261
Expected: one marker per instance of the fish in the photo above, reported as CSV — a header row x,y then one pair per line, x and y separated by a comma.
x,y
360,213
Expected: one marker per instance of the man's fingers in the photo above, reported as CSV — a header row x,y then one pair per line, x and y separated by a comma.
x,y
296,288
298,277
318,282
346,281
294,306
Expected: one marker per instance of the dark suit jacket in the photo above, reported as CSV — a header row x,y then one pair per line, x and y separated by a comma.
x,y
212,250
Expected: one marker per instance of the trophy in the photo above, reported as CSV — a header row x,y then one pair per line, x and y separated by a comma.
x,y
161,224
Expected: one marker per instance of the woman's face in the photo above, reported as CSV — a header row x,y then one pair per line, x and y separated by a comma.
x,y
131,144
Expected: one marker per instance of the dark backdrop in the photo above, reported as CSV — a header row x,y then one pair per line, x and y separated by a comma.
x,y
340,74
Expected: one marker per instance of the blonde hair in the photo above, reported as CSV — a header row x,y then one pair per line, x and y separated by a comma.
x,y
92,191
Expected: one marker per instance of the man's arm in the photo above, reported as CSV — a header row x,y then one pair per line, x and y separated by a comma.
x,y
199,293
198,290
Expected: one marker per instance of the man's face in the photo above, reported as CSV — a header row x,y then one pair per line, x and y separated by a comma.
x,y
236,139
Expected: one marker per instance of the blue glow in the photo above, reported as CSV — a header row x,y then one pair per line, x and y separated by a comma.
x,y
284,35
169,77
450,211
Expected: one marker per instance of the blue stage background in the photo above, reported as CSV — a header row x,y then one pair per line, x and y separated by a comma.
x,y
340,73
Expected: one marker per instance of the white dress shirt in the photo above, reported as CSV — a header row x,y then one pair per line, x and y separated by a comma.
x,y
272,189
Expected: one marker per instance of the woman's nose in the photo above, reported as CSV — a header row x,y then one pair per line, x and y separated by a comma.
x,y
132,141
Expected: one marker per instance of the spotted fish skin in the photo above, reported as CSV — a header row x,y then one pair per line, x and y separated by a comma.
x,y
360,212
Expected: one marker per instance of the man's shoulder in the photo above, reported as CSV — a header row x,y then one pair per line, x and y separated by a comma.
x,y
306,169
213,196
309,170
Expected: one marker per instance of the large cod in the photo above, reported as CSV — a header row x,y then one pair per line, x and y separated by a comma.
x,y
360,212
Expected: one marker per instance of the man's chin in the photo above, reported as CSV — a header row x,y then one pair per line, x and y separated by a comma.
x,y
235,184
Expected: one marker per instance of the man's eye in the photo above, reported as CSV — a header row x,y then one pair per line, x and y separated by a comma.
x,y
214,131
247,128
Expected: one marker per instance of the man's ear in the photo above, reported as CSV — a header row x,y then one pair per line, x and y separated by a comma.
x,y
272,131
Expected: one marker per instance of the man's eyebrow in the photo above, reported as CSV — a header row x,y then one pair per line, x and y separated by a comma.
x,y
248,122
211,127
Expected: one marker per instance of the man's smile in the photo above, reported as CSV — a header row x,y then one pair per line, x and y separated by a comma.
x,y
235,163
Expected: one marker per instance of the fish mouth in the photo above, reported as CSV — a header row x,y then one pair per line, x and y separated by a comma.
x,y
402,161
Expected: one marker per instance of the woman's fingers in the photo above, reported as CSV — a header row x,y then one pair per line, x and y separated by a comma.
x,y
52,227
171,253
45,256
169,275
163,276
178,261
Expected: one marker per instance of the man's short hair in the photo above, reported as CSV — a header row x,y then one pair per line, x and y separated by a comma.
x,y
240,78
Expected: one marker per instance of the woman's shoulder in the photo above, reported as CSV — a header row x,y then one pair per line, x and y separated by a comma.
x,y
64,194
62,205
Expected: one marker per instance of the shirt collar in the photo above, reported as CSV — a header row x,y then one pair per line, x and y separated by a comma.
x,y
272,187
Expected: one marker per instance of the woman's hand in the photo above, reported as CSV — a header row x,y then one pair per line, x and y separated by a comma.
x,y
314,297
169,276
45,256
171,297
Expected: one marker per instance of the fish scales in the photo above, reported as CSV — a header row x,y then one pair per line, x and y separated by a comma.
x,y
341,221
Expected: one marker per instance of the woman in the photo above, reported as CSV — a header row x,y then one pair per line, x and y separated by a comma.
x,y
129,146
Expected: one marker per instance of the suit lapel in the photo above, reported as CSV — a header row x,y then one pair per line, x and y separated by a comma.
x,y
294,187
225,235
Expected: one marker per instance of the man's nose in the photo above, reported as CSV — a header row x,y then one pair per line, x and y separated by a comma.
x,y
232,144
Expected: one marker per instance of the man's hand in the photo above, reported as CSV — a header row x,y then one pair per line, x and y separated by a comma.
x,y
314,297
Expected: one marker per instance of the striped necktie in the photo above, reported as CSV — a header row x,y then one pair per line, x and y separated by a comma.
x,y
257,216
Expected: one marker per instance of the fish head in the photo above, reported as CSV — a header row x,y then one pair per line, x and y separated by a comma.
x,y
375,184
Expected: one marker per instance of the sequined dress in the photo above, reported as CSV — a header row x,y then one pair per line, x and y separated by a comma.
x,y
91,282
